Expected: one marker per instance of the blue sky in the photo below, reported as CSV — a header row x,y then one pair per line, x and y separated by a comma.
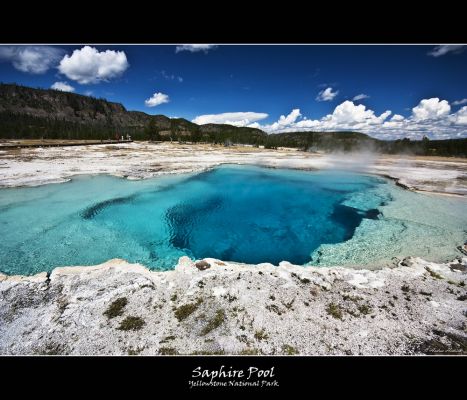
x,y
405,91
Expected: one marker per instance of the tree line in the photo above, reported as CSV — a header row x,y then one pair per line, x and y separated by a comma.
x,y
24,126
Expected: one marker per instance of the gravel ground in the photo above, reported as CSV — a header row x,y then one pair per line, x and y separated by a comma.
x,y
213,307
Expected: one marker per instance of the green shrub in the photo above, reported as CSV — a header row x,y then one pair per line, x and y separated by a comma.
x,y
116,308
131,324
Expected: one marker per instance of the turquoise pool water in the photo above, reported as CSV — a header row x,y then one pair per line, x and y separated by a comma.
x,y
234,213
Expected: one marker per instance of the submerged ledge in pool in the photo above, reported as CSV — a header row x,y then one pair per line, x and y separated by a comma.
x,y
244,214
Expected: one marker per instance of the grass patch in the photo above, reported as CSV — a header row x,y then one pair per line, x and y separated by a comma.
x,y
214,323
334,311
51,349
167,339
289,350
433,274
351,298
261,335
250,351
460,283
131,324
184,311
364,309
116,308
167,351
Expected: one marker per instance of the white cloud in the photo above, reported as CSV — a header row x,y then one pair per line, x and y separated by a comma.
x,y
431,109
397,117
88,65
156,99
445,49
431,117
459,102
291,118
193,48
63,87
361,96
248,118
31,59
327,94
285,121
306,124
460,117
347,115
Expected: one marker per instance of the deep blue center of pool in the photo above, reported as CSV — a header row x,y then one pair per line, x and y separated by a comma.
x,y
258,215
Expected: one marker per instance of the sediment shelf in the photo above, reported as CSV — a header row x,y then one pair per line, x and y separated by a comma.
x,y
140,160
216,307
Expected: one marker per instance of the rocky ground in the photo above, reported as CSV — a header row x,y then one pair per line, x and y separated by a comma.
x,y
213,307
139,160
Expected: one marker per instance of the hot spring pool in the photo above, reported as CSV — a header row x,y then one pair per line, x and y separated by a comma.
x,y
235,213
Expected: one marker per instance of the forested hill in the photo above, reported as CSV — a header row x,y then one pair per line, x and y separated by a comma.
x,y
45,113
29,113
